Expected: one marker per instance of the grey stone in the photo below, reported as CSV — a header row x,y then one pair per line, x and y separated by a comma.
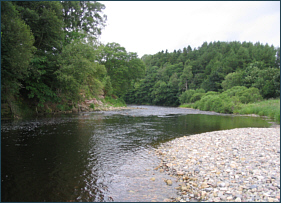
x,y
253,186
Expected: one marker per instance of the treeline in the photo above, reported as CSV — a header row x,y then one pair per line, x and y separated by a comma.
x,y
184,76
51,56
51,59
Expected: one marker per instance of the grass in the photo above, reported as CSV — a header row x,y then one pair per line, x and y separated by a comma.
x,y
189,105
269,108
119,102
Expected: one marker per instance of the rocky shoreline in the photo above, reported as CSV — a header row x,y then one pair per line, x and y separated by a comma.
x,y
238,165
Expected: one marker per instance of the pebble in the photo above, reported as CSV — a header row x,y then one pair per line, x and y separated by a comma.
x,y
168,182
235,165
153,179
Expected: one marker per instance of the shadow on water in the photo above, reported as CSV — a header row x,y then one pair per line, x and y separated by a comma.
x,y
101,156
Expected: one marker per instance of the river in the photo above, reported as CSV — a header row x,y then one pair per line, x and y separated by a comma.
x,y
98,156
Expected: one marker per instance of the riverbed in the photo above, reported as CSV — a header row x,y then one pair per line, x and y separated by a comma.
x,y
99,156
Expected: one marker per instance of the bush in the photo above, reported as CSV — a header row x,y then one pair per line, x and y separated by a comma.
x,y
250,95
186,96
245,95
196,97
211,93
235,90
220,103
226,102
190,96
205,104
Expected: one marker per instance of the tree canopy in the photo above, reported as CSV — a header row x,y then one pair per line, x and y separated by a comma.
x,y
215,66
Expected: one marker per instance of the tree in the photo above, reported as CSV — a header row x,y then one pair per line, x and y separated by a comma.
x,y
16,50
213,81
233,79
217,66
186,76
123,68
45,21
79,73
83,16
159,93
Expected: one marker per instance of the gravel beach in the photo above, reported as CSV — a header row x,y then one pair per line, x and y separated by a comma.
x,y
238,165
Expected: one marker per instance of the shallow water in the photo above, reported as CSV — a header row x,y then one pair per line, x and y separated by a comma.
x,y
99,156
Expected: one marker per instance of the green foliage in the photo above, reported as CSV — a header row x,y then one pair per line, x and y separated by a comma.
x,y
186,77
191,96
217,66
245,95
186,96
92,106
78,72
64,107
196,97
108,90
41,92
219,103
229,100
119,102
266,79
186,105
233,79
49,53
123,68
270,108
83,16
45,21
16,50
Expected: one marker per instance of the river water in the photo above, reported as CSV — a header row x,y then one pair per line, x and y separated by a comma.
x,y
98,156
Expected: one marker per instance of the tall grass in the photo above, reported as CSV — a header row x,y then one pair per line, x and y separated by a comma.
x,y
269,108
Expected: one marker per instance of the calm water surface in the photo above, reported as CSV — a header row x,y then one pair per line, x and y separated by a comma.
x,y
99,156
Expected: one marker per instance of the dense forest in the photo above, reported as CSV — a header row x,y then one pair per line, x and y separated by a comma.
x,y
51,59
184,76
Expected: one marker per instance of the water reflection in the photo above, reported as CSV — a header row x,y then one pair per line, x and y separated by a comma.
x,y
101,156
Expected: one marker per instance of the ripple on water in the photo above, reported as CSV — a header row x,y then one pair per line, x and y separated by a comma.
x,y
101,156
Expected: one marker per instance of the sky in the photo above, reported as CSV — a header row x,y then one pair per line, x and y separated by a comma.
x,y
147,27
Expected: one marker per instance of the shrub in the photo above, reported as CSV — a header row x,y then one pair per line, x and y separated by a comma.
x,y
92,106
196,97
250,95
245,95
211,93
186,96
190,96
235,90
220,103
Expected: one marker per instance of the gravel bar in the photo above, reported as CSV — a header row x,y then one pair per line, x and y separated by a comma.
x,y
238,165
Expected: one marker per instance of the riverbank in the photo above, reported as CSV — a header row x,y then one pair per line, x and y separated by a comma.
x,y
237,165
21,109
269,108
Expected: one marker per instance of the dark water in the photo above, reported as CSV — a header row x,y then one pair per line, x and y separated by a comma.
x,y
100,156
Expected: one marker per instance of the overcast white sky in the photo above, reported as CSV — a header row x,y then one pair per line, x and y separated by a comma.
x,y
147,27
